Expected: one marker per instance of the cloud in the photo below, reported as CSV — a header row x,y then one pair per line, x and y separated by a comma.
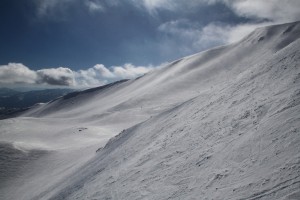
x,y
274,10
14,73
99,74
220,33
172,5
17,73
51,8
55,76
94,6
238,32
192,35
58,9
130,71
106,73
152,5
181,35
189,37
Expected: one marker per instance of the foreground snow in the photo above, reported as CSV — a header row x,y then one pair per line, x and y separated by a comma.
x,y
221,124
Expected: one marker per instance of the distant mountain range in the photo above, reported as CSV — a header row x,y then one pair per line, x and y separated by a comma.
x,y
13,100
6,92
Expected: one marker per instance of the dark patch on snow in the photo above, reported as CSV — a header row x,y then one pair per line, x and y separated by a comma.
x,y
11,112
289,29
82,129
294,34
261,39
139,77
203,160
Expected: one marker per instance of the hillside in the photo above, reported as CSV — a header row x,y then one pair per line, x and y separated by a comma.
x,y
27,99
13,102
220,124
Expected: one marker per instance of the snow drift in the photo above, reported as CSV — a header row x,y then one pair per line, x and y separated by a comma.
x,y
221,124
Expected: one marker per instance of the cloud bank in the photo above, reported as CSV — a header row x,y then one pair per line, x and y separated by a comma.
x,y
55,76
99,74
274,10
191,36
262,12
17,73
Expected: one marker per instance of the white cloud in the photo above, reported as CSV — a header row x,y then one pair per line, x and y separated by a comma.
x,y
129,71
57,9
173,5
94,6
152,5
52,8
99,74
87,78
274,10
238,32
15,73
191,37
55,76
104,72
181,34
214,34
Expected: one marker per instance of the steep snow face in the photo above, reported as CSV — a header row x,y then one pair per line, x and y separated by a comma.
x,y
239,141
221,124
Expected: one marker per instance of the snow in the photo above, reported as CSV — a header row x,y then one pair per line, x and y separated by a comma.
x,y
221,124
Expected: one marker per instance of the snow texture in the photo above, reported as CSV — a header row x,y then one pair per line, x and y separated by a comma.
x,y
220,124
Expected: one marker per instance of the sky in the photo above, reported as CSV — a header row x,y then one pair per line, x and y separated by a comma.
x,y
87,43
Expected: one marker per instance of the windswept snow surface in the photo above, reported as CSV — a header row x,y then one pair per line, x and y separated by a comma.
x,y
221,124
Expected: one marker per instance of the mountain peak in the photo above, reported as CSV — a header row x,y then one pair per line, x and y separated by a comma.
x,y
282,34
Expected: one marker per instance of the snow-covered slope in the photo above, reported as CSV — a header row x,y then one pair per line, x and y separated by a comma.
x,y
221,124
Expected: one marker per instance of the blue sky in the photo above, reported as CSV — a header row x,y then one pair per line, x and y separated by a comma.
x,y
93,42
